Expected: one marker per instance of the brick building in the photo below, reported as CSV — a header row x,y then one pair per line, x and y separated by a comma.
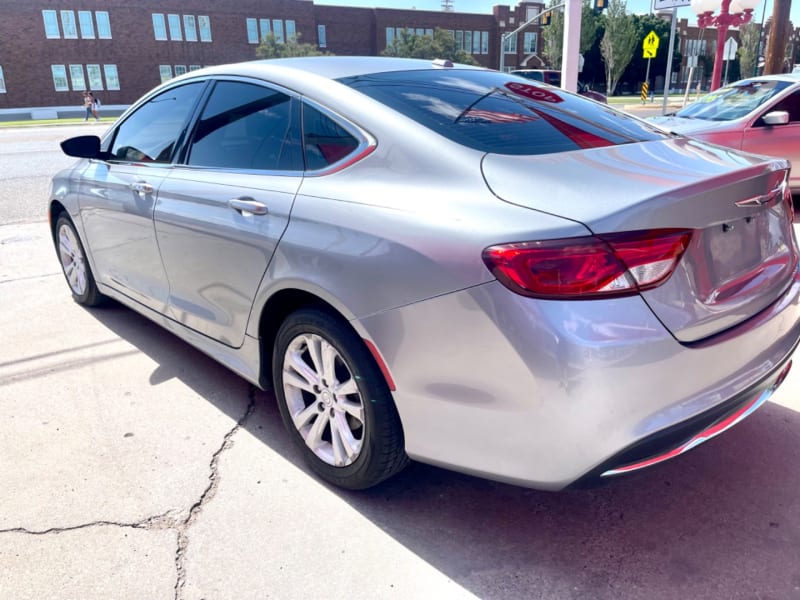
x,y
52,50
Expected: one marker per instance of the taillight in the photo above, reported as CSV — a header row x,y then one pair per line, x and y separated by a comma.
x,y
616,264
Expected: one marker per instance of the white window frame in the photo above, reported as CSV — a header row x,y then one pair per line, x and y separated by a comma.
x,y
291,30
195,67
103,24
77,78
95,77
527,47
264,28
277,30
60,76
165,72
2,81
180,70
322,36
484,42
252,31
52,31
204,24
510,45
190,28
86,24
112,77
174,24
68,25
159,27
467,42
389,36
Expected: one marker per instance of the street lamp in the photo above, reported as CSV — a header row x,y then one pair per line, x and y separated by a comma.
x,y
731,13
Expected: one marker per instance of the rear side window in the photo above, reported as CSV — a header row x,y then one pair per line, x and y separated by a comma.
x,y
501,113
151,133
247,126
325,142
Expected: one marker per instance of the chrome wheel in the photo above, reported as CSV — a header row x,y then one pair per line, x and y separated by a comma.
x,y
72,259
323,399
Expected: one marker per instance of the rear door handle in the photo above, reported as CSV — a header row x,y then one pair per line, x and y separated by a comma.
x,y
142,187
247,206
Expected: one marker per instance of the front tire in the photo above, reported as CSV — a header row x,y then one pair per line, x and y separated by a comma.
x,y
335,402
74,264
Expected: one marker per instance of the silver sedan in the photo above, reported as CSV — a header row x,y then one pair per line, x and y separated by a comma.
x,y
443,263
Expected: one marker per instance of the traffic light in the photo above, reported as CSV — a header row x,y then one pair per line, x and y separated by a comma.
x,y
600,5
548,17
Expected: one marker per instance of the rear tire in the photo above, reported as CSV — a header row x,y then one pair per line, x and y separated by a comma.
x,y
74,265
335,402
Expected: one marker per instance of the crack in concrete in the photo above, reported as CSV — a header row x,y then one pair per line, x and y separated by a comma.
x,y
206,496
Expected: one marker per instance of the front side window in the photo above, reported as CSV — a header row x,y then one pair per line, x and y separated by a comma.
x,y
733,101
68,25
493,112
103,25
247,126
204,23
159,27
51,30
165,72
95,77
86,23
791,105
322,36
252,31
190,28
60,78
112,77
325,142
175,28
76,75
152,132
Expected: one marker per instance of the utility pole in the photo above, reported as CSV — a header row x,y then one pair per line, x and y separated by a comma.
x,y
776,46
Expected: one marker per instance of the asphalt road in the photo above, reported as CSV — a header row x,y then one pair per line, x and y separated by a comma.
x,y
135,467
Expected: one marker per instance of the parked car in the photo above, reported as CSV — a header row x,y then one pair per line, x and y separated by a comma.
x,y
443,263
553,78
760,115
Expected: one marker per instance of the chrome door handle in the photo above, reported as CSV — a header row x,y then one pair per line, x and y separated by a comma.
x,y
142,187
247,206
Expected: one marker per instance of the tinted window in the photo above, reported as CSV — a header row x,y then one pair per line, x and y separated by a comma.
x,y
247,126
790,104
324,141
500,113
151,133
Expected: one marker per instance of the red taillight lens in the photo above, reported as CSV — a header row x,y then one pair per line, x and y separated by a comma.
x,y
617,264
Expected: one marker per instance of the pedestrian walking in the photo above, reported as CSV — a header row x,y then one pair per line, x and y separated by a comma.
x,y
95,107
88,105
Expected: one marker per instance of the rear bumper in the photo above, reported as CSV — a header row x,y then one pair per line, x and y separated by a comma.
x,y
541,393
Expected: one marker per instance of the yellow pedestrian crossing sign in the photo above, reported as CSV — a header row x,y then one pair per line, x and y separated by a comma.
x,y
650,45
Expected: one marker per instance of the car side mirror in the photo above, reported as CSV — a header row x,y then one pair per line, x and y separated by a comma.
x,y
776,117
84,146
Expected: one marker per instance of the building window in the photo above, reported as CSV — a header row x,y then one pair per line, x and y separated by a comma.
x,y
476,42
2,82
277,29
190,28
429,32
180,70
265,28
510,45
159,26
530,42
175,28
195,67
531,13
86,24
68,25
252,31
95,77
76,74
112,77
322,36
291,31
60,78
389,36
166,72
484,42
459,39
103,25
51,30
467,41
205,28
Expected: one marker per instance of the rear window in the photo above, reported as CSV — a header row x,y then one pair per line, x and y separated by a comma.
x,y
501,113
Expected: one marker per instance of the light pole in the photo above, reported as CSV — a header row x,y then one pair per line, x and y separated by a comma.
x,y
731,13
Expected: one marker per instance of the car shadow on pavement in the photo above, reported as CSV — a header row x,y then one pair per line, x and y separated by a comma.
x,y
722,521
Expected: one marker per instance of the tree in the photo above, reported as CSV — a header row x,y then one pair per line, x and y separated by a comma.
x,y
618,43
270,47
553,36
440,45
749,35
637,69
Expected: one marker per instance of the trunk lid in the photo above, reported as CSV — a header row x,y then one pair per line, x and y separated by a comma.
x,y
742,255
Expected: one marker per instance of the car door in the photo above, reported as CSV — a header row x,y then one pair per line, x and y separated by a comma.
x,y
778,140
221,212
118,196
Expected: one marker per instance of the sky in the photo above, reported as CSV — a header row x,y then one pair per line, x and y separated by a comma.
x,y
485,6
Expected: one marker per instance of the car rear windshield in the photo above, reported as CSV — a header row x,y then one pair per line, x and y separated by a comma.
x,y
501,113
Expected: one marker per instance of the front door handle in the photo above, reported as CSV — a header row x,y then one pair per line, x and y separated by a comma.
x,y
247,205
144,188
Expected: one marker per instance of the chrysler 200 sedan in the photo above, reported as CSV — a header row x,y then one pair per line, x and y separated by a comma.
x,y
442,263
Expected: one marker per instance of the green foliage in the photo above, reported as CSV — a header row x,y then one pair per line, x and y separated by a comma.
x,y
748,49
441,45
270,47
637,69
553,36
618,43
